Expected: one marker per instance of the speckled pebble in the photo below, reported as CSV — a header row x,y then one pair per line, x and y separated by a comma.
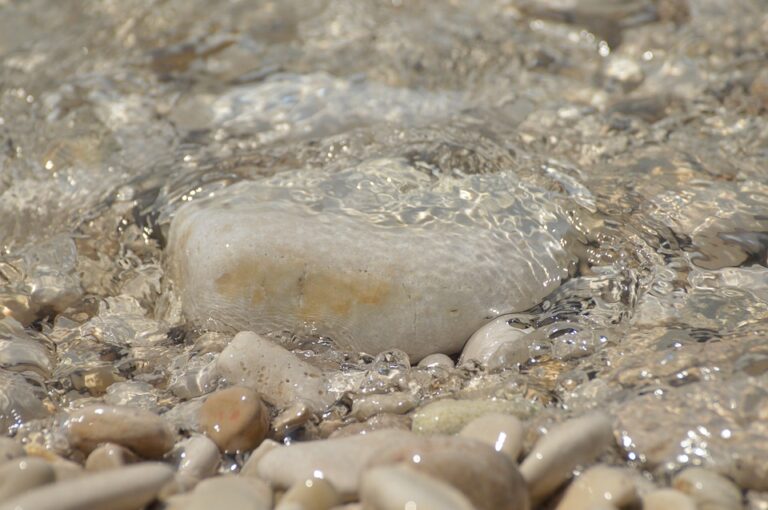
x,y
23,474
503,432
568,444
145,433
600,486
449,416
708,489
235,419
109,456
226,492
667,499
311,494
400,487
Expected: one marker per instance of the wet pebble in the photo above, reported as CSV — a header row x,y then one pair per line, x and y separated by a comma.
x,y
235,419
109,456
491,481
379,422
488,343
600,486
229,492
311,494
400,487
145,433
393,403
250,468
126,488
197,458
255,362
567,445
503,432
449,416
10,449
23,474
436,360
708,489
667,499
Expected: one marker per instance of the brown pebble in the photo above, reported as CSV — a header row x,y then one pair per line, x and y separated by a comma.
x,y
235,419
109,456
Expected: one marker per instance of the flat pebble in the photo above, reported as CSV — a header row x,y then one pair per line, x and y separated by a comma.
x,y
567,445
311,494
109,456
235,419
338,460
197,458
281,377
667,499
400,487
22,474
710,491
144,432
600,486
488,342
436,360
393,403
503,432
10,449
449,416
126,488
228,492
490,480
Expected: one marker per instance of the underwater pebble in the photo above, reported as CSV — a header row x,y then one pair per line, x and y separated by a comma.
x,y
281,377
254,257
125,488
338,460
486,342
378,422
503,432
228,492
143,432
10,449
22,474
667,499
392,403
198,458
311,494
109,456
436,360
449,416
600,486
568,444
19,402
490,480
399,488
708,489
235,419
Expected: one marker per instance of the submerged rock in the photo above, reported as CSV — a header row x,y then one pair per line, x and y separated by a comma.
x,y
377,257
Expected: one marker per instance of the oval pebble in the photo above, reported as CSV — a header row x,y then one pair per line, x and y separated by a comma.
x,y
143,432
485,344
449,416
567,445
600,486
22,474
125,488
235,419
311,494
503,432
392,403
436,360
229,492
198,458
399,488
109,456
710,491
668,499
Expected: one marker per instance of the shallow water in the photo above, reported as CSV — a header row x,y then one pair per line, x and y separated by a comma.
x,y
643,123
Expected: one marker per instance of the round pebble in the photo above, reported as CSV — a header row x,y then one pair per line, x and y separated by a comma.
x,y
235,419
668,499
400,487
126,488
567,445
311,494
109,456
503,432
436,360
485,344
145,433
198,458
22,474
600,486
708,489
229,492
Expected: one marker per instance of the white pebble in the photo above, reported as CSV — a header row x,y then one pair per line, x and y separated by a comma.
x,y
399,487
668,499
22,474
198,458
485,345
311,494
227,492
436,360
600,486
708,489
503,432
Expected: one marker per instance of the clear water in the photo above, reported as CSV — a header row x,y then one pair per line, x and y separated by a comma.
x,y
646,121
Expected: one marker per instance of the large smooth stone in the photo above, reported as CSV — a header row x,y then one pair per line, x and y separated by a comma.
x,y
400,487
376,257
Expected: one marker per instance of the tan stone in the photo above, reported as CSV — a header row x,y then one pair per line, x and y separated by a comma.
x,y
235,419
311,494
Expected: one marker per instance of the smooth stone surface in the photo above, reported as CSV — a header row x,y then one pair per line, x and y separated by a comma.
x,y
282,378
109,456
197,458
10,449
708,489
143,432
503,432
486,344
250,468
126,488
600,486
226,492
392,403
338,460
312,494
667,499
23,474
401,488
235,419
378,422
436,360
567,445
449,416
490,480
348,254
